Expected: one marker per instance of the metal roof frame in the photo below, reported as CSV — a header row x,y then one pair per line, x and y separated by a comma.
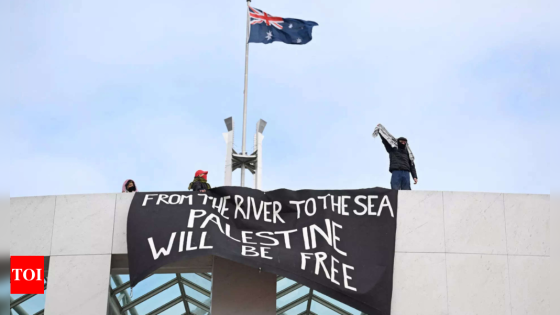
x,y
119,296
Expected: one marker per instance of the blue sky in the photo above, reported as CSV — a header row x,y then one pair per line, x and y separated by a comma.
x,y
101,91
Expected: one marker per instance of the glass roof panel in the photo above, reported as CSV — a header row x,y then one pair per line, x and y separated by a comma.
x,y
178,309
197,296
290,297
283,283
34,304
146,285
16,296
296,309
193,277
197,311
158,300
200,293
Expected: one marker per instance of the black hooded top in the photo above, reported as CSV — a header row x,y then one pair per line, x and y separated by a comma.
x,y
399,158
199,184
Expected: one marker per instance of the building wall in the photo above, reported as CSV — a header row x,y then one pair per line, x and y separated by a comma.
x,y
456,253
472,253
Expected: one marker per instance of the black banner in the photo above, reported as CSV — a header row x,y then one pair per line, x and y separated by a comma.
x,y
338,242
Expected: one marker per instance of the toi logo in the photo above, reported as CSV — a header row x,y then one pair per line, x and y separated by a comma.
x,y
27,275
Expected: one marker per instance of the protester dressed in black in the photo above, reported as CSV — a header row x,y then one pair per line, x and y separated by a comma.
x,y
401,159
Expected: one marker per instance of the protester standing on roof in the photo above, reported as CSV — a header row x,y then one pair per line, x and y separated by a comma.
x,y
200,182
401,159
129,186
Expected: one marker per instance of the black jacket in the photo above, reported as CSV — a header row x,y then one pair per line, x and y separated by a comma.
x,y
198,186
399,159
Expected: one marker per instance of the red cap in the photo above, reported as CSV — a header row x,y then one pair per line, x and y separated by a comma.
x,y
199,172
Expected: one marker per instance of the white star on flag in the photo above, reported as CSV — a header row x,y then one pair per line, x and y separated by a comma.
x,y
291,25
299,40
269,35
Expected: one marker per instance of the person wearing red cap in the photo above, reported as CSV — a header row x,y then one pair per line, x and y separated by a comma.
x,y
200,182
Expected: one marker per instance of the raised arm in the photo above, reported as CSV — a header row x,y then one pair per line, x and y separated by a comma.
x,y
388,147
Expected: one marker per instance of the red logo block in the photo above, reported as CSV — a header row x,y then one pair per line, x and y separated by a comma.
x,y
27,275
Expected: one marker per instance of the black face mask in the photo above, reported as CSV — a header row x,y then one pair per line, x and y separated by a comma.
x,y
402,146
131,189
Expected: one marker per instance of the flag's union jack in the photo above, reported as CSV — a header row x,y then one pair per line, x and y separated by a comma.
x,y
258,16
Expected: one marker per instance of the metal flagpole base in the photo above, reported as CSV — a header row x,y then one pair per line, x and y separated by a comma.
x,y
235,160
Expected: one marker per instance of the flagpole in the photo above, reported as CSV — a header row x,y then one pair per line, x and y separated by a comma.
x,y
245,95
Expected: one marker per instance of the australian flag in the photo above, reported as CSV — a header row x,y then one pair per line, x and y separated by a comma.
x,y
267,29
